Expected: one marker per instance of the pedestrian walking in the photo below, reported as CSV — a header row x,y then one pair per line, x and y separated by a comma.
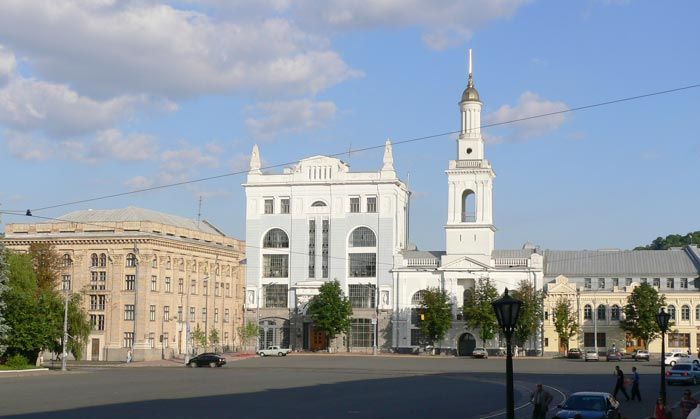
x,y
635,384
687,403
540,399
128,356
620,383
660,409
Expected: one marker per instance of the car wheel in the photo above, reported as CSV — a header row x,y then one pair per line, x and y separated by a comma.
x,y
261,354
280,354
673,363
190,364
212,364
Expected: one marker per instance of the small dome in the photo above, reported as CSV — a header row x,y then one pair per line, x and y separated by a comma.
x,y
470,95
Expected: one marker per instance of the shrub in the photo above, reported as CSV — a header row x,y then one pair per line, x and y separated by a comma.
x,y
17,361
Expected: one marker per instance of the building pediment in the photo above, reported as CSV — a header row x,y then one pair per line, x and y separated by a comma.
x,y
466,264
561,285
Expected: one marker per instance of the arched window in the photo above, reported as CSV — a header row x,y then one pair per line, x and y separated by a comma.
x,y
601,312
318,204
67,261
672,312
685,312
615,312
362,237
587,312
103,260
417,298
94,260
468,206
276,239
130,260
154,263
168,264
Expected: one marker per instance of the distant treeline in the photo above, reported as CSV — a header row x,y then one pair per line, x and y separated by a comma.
x,y
672,240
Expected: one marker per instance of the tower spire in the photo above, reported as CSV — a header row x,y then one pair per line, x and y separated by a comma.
x,y
388,159
255,161
471,77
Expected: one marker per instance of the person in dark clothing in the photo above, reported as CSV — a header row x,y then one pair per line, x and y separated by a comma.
x,y
620,383
635,385
540,399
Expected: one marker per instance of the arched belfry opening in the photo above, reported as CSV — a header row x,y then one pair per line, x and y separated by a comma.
x,y
468,206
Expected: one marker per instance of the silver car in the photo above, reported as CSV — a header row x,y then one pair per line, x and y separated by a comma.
x,y
480,353
590,355
683,374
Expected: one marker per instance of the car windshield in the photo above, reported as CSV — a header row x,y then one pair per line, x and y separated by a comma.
x,y
585,403
681,367
478,349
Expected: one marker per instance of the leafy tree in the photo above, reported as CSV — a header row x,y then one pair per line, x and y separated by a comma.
x,y
565,322
436,311
248,332
47,265
199,338
478,311
3,290
330,310
214,337
530,313
672,240
640,313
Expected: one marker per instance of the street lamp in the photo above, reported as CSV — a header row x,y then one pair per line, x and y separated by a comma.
x,y
662,319
507,311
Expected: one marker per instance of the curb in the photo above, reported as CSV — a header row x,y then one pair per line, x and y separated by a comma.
x,y
21,371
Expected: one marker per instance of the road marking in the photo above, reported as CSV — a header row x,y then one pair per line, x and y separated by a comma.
x,y
503,412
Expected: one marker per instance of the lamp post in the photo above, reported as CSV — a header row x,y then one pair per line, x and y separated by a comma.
x,y
507,311
662,319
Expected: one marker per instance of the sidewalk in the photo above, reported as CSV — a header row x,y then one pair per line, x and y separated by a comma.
x,y
173,362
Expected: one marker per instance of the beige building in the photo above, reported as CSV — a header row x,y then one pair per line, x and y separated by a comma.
x,y
147,278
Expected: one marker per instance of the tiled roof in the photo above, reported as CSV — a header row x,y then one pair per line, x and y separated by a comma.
x,y
619,262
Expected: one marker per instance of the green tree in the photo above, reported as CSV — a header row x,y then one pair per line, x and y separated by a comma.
x,y
530,313
3,290
436,313
248,332
330,310
478,312
640,313
47,265
199,338
672,240
565,322
214,337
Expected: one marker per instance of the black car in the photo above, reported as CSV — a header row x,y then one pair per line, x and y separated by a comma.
x,y
210,359
574,353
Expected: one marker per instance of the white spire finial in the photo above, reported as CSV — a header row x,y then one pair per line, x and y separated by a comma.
x,y
470,61
255,161
388,156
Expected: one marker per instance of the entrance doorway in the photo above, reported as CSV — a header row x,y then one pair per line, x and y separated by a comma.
x,y
319,341
95,350
466,344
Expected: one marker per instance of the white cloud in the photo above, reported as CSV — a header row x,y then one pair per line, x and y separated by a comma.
x,y
139,182
8,63
529,105
134,147
272,119
178,161
111,48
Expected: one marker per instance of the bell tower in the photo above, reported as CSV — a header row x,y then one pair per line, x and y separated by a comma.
x,y
469,229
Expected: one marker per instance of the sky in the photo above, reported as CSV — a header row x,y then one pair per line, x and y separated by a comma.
x,y
100,97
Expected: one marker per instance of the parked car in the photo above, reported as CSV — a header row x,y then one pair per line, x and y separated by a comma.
x,y
641,355
480,353
613,356
574,353
274,351
590,355
589,405
209,358
680,358
683,374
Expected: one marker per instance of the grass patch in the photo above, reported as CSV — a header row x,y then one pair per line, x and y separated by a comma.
x,y
19,367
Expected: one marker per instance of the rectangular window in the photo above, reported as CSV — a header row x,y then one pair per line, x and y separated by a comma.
x,y
93,302
275,266
100,322
130,284
166,313
128,312
226,314
312,248
372,204
589,341
228,289
670,283
193,314
166,339
275,295
167,284
361,333
152,340
657,282
216,315
628,281
269,206
179,313
601,283
204,314
362,295
325,231
66,283
102,284
616,282
355,204
643,280
587,283
93,280
154,283
101,302
679,340
152,313
193,287
128,339
546,341
684,283
284,206
362,265
417,338
181,286
217,289
205,285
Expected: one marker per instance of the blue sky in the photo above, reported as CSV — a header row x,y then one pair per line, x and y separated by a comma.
x,y
104,97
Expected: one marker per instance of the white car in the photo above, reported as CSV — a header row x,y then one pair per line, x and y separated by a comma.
x,y
480,353
680,358
590,355
274,351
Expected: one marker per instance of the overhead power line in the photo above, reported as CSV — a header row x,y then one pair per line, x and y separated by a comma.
x,y
401,142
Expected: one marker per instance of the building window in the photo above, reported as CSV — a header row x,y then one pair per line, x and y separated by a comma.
x,y
361,333
684,283
228,289
616,282
216,315
615,312
325,231
628,281
193,286
643,280
66,283
179,313
587,283
217,289
601,312
276,239
269,206
601,283
205,286
193,314
154,283
372,204
128,312
94,261
275,295
67,261
166,340
166,313
312,248
417,337
362,265
275,266
152,313
284,206
685,313
362,295
355,204
167,284
670,283
226,315
679,340
546,341
362,237
152,340
154,263
103,260
130,282
589,340
128,339
181,286
204,314
318,204
417,298
93,302
587,312
657,282
101,302
97,321
168,264
131,260
697,312
672,312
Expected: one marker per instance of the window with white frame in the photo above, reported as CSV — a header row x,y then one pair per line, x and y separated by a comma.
x,y
362,237
276,239
685,312
216,315
130,282
193,314
152,313
355,204
166,313
362,295
362,265
181,286
204,313
684,283
312,248
284,206
601,283
128,341
670,283
325,232
417,298
166,340
93,302
130,260
193,287
103,260
587,283
628,281
616,282
66,281
371,204
94,260
275,266
226,314
657,282
154,263
179,314
205,287
615,312
168,284
587,312
275,295
361,333
152,340
269,206
129,312
67,261
697,312
643,281
154,283
672,312
601,312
